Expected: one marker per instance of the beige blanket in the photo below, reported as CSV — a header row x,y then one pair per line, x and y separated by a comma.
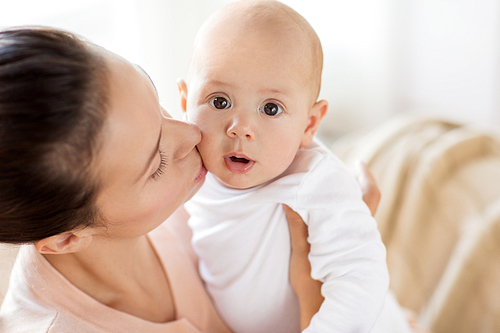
x,y
439,217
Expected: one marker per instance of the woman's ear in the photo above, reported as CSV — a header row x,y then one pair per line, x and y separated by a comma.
x,y
66,242
183,92
317,113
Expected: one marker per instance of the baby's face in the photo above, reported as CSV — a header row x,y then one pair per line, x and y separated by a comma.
x,y
251,102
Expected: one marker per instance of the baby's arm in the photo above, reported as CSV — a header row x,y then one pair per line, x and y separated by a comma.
x,y
347,253
307,289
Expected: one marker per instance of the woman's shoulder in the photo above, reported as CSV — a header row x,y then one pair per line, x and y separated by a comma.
x,y
22,310
37,297
33,317
20,314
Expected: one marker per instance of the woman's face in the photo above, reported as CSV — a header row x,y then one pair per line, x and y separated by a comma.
x,y
148,164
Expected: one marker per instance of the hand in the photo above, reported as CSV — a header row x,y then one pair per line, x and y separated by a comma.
x,y
371,192
307,289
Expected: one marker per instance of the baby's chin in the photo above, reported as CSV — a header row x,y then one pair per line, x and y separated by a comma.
x,y
238,181
238,185
244,181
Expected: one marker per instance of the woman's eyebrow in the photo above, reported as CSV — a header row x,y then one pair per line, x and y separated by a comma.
x,y
152,83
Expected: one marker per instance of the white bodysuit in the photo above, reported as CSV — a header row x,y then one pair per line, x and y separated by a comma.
x,y
243,242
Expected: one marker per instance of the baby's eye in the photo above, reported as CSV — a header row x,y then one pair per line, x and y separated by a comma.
x,y
271,109
220,103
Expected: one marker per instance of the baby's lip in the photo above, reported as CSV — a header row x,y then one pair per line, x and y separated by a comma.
x,y
238,162
237,155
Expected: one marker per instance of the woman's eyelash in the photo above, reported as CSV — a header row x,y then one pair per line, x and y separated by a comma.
x,y
161,168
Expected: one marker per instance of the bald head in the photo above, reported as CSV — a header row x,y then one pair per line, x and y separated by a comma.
x,y
241,25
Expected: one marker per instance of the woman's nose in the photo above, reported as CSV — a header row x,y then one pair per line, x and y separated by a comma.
x,y
184,135
240,127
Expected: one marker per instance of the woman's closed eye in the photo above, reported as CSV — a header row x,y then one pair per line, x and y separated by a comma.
x,y
161,168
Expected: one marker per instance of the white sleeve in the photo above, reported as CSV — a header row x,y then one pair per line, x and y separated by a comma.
x,y
347,253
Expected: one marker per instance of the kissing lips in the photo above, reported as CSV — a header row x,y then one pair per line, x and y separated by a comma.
x,y
201,174
237,164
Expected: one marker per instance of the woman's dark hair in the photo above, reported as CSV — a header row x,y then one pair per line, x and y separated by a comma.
x,y
52,108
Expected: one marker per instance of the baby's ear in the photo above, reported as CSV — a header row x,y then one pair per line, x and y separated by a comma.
x,y
317,113
183,92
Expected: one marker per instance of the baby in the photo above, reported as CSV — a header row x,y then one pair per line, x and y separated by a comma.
x,y
252,88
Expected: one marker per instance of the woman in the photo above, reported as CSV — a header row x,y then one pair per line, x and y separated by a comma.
x,y
91,165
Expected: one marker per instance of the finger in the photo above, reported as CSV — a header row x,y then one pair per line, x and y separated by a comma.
x,y
364,175
298,229
371,192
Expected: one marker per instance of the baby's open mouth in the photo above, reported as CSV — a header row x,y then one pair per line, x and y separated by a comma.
x,y
238,164
239,159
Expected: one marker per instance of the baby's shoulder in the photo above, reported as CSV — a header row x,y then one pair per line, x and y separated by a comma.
x,y
316,158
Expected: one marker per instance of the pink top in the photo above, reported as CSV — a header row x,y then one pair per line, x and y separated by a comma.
x,y
40,299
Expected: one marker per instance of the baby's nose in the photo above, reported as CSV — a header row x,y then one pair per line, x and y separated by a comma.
x,y
240,126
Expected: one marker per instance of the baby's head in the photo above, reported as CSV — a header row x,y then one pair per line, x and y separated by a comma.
x,y
252,88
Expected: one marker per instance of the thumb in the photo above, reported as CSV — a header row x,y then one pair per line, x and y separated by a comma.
x,y
298,230
371,192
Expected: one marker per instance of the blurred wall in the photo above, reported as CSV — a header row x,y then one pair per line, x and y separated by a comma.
x,y
449,58
382,57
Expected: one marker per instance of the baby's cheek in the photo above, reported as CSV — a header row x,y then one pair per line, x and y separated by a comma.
x,y
207,150
206,128
193,117
280,160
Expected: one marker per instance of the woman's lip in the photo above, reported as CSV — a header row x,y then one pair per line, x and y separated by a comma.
x,y
201,174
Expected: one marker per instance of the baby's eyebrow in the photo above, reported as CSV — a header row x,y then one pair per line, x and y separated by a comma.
x,y
219,83
281,94
272,91
265,91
